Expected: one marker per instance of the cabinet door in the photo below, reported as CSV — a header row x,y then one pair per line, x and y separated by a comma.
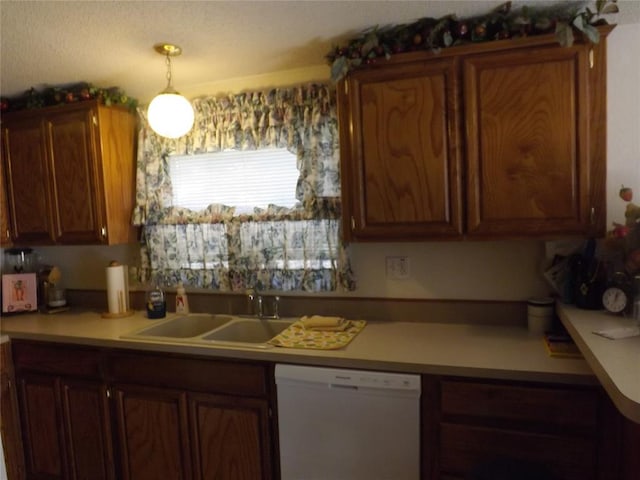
x,y
5,233
230,437
78,193
153,433
400,152
9,421
66,428
527,127
28,192
42,427
87,430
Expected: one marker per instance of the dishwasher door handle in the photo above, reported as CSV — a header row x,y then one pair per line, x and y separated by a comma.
x,y
343,387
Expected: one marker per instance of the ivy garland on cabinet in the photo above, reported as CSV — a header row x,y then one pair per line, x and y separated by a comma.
x,y
501,23
50,96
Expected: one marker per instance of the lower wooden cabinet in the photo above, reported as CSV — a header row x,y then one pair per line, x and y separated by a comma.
x,y
90,413
569,432
65,418
170,434
9,420
107,414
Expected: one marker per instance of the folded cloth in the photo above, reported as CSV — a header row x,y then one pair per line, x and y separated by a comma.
x,y
318,322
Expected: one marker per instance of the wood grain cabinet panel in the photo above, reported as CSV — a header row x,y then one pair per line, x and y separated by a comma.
x,y
230,437
5,227
87,429
70,174
400,164
152,433
27,172
527,120
42,426
9,419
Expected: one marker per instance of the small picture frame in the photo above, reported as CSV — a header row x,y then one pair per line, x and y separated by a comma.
x,y
19,293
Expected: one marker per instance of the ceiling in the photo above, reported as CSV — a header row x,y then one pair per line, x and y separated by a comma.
x,y
110,43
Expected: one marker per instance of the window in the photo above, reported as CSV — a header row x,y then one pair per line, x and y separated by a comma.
x,y
228,207
241,179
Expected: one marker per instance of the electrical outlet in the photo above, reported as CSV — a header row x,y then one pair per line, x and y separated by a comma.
x,y
398,267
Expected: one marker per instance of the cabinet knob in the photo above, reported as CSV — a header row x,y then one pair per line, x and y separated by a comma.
x,y
592,60
103,232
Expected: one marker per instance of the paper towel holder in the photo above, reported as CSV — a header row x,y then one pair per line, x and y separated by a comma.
x,y
123,301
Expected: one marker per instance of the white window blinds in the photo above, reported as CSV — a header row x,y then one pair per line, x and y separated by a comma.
x,y
242,179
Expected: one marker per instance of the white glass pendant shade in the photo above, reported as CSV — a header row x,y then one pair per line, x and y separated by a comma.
x,y
170,115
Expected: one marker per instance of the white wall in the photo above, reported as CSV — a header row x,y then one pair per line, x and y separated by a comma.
x,y
445,270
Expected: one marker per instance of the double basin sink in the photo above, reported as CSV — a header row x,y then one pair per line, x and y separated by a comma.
x,y
212,330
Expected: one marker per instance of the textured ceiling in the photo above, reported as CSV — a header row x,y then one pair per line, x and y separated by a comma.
x,y
109,43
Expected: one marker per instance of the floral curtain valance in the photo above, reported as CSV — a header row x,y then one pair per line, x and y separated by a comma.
x,y
276,248
301,119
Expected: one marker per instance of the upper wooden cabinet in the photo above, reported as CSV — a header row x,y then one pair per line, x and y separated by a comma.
x,y
70,174
401,161
503,139
5,232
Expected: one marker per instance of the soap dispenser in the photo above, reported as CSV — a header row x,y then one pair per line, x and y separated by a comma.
x,y
182,302
156,303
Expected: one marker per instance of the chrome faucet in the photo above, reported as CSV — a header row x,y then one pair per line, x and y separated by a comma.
x,y
258,303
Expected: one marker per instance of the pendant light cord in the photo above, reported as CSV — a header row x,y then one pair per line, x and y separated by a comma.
x,y
168,62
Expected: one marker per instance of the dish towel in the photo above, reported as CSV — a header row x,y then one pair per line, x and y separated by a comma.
x,y
328,324
325,336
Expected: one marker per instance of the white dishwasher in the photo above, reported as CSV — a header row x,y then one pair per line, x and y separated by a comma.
x,y
337,424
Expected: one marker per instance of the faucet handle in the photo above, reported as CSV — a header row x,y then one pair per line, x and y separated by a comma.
x,y
251,298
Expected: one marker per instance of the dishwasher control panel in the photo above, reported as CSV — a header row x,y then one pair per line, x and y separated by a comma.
x,y
350,378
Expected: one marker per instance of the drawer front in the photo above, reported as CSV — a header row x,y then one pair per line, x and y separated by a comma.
x,y
464,447
57,359
556,406
226,377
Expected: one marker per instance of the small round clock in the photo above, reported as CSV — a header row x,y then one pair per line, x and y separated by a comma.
x,y
615,299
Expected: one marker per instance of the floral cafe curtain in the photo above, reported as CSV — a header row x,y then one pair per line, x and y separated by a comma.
x,y
276,248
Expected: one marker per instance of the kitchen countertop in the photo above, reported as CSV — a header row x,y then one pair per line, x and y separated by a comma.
x,y
483,351
616,363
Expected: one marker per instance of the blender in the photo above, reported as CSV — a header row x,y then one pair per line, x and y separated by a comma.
x,y
19,260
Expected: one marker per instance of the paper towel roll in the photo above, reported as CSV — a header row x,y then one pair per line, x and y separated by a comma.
x,y
117,288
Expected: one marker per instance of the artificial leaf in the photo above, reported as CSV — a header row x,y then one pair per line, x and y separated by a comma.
x,y
611,8
580,23
339,68
543,23
504,8
592,33
521,20
564,34
370,42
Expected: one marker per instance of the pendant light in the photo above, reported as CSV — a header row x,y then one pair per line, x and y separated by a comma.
x,y
170,114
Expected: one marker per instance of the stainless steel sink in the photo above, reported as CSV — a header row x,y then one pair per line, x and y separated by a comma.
x,y
182,327
248,331
213,330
